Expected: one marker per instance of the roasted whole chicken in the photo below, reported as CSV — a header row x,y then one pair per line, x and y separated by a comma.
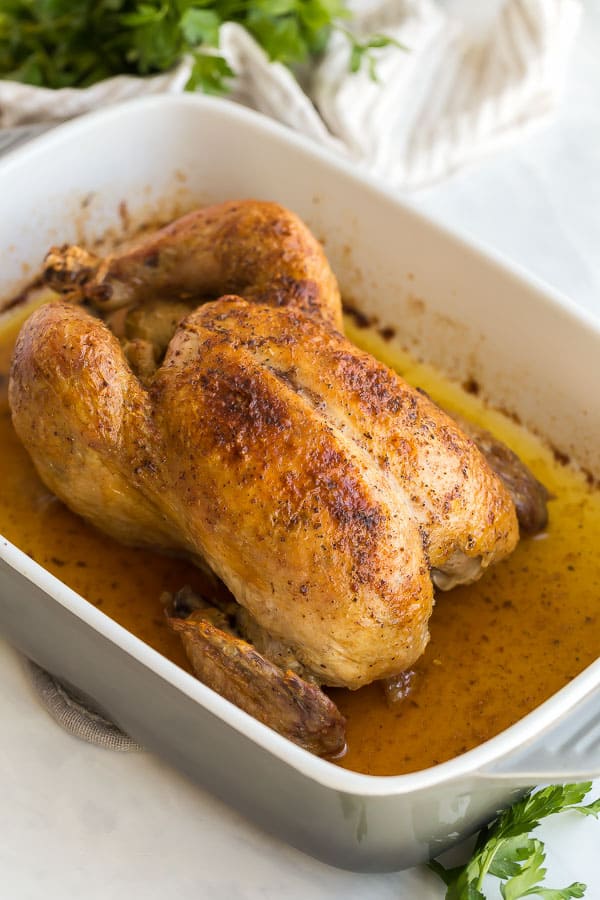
x,y
249,435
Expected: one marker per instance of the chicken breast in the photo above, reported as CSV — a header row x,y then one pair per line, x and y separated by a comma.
x,y
318,485
466,518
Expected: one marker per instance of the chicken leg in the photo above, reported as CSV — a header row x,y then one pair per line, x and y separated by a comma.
x,y
258,250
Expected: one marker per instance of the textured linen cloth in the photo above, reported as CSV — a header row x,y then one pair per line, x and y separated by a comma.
x,y
467,85
76,713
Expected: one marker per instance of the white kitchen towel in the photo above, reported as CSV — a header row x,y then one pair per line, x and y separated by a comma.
x,y
456,93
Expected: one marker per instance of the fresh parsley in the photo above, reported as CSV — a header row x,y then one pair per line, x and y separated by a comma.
x,y
74,43
505,849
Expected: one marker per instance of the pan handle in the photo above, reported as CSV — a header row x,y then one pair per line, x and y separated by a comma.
x,y
566,752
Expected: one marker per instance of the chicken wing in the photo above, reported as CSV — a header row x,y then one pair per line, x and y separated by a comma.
x,y
529,495
272,693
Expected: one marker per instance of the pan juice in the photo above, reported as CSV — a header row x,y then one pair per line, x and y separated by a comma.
x,y
498,648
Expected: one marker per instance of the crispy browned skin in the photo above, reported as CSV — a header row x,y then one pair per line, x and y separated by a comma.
x,y
465,517
279,698
256,249
154,323
149,326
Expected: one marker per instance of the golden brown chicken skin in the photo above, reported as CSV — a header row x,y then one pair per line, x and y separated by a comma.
x,y
317,484
465,516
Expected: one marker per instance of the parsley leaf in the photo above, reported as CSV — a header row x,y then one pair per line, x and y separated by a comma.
x,y
593,809
74,43
361,53
200,26
505,850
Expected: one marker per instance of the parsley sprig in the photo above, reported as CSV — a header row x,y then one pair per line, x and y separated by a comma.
x,y
74,43
505,849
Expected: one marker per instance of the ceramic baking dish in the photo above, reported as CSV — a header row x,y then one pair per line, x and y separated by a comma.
x,y
465,311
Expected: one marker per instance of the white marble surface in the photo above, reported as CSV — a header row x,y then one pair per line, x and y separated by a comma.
x,y
81,822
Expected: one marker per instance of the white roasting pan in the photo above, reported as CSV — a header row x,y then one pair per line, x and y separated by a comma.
x,y
457,307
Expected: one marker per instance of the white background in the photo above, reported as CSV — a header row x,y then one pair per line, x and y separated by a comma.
x,y
78,822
